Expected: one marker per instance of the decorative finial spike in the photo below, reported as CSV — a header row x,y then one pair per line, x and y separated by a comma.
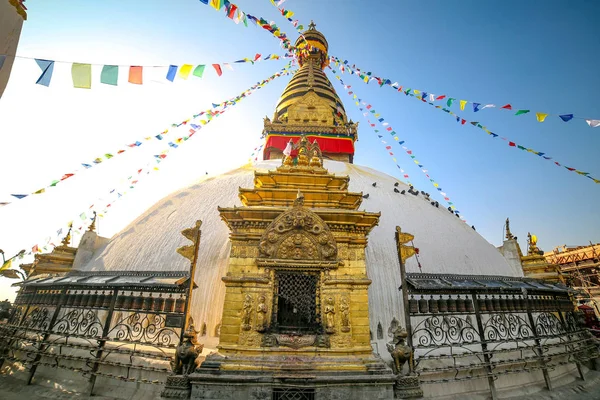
x,y
312,25
67,239
92,227
509,235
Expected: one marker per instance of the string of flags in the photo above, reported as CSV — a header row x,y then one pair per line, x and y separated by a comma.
x,y
450,101
255,153
81,73
134,179
287,14
213,112
424,97
367,110
233,12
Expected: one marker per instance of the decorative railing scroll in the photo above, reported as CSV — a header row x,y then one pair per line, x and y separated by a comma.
x,y
144,328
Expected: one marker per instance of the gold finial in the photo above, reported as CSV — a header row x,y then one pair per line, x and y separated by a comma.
x,y
532,240
299,202
312,26
67,239
509,235
92,226
402,238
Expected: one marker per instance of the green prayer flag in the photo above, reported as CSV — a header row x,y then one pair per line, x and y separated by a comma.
x,y
521,112
199,70
54,183
449,102
82,75
110,75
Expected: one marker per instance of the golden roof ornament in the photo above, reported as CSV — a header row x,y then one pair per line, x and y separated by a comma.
x,y
312,26
532,241
509,235
92,227
405,252
67,239
299,202
192,235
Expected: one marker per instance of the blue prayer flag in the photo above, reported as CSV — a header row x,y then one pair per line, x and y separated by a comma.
x,y
171,73
47,67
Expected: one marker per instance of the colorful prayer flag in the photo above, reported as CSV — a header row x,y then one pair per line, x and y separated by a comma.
x,y
136,75
217,67
199,70
47,67
216,4
82,75
507,107
462,104
109,75
593,123
541,116
184,71
566,117
171,72
476,107
6,265
522,112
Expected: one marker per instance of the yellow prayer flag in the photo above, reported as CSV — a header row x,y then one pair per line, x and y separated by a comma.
x,y
416,91
216,4
185,70
394,159
463,103
396,138
436,185
366,79
6,265
40,191
541,116
82,75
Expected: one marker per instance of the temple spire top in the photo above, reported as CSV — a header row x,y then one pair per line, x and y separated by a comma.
x,y
67,239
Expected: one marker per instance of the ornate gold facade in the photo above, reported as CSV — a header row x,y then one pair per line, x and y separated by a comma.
x,y
298,221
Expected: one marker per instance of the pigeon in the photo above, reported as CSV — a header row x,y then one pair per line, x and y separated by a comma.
x,y
396,190
437,205
457,216
473,226
206,173
374,184
416,193
433,203
403,192
396,184
450,209
366,196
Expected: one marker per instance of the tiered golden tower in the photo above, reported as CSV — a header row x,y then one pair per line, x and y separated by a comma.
x,y
310,106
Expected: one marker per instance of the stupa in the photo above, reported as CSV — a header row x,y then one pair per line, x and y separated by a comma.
x,y
298,271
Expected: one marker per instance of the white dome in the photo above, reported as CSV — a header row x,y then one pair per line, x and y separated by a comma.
x,y
446,244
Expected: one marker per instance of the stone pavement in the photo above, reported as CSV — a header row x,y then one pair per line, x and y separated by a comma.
x,y
15,389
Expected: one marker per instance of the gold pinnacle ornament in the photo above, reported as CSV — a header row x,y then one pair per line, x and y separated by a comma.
x,y
192,235
402,238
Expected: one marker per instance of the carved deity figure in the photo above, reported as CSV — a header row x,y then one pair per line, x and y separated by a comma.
x,y
345,312
330,315
261,314
398,348
186,353
302,157
247,312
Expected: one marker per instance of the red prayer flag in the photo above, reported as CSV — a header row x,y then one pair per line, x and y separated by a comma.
x,y
441,97
135,75
570,169
389,128
217,68
65,176
34,249
257,56
388,147
512,144
507,107
409,152
120,151
463,121
232,9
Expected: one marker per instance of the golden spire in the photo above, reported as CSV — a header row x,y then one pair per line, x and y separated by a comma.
x,y
92,226
67,239
312,26
509,235
532,240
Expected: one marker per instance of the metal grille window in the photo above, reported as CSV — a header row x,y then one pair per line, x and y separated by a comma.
x,y
293,394
295,308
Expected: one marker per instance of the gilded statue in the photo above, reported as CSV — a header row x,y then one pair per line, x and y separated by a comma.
x,y
302,157
533,249
261,314
247,312
345,313
330,315
398,348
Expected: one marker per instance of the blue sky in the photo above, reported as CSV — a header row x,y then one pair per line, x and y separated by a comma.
x,y
538,55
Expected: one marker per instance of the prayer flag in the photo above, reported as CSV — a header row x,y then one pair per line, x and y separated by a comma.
x,y
171,73
136,75
228,66
199,71
217,67
231,10
185,70
541,116
507,107
109,75
19,196
204,2
512,144
488,106
47,67
449,102
462,104
594,123
441,97
566,117
35,249
39,191
476,107
216,4
82,75
522,112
